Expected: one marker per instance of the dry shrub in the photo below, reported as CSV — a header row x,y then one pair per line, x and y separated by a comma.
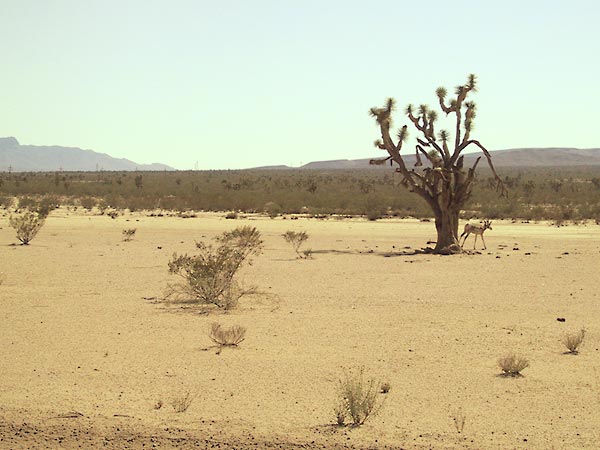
x,y
357,398
209,276
296,239
460,419
573,340
128,234
27,225
512,365
226,337
182,403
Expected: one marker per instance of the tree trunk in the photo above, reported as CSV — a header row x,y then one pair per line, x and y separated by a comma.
x,y
446,224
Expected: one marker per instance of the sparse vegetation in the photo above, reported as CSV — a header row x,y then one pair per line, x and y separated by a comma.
x,y
573,341
296,239
512,365
209,276
357,398
460,419
181,403
564,194
385,387
226,337
128,234
27,225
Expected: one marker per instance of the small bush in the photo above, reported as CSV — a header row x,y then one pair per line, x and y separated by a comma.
x,y
272,209
182,403
357,398
512,365
573,340
296,240
26,225
226,337
128,234
209,276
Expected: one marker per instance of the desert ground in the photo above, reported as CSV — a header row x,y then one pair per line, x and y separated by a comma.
x,y
91,357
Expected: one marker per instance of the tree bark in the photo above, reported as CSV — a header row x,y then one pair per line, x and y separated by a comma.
x,y
446,225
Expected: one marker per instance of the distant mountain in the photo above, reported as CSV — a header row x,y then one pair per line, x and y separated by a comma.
x,y
519,157
33,158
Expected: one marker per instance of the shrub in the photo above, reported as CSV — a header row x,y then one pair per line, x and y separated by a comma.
x,y
272,209
296,240
573,340
226,337
27,225
182,403
128,234
209,276
357,398
512,365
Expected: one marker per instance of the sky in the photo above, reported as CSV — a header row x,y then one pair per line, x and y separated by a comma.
x,y
228,84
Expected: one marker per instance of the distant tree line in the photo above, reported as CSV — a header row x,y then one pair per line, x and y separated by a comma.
x,y
559,194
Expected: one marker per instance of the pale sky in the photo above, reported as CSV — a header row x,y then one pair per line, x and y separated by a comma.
x,y
244,83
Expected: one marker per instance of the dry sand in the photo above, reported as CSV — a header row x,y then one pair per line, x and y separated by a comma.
x,y
87,354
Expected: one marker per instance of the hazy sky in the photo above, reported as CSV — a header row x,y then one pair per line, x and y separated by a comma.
x,y
242,83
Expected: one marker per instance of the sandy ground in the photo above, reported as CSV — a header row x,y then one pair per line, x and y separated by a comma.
x,y
88,354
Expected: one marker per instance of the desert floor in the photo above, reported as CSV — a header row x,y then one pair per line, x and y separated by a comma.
x,y
89,353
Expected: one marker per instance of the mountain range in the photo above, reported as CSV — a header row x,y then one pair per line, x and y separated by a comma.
x,y
33,158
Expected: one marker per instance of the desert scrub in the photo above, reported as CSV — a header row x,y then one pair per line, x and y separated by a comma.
x,y
296,239
209,276
512,365
27,225
573,341
357,398
128,234
181,403
226,337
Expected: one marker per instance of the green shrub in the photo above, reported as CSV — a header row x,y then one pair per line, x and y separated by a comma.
x,y
209,276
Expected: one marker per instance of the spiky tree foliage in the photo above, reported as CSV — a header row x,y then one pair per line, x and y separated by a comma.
x,y
442,182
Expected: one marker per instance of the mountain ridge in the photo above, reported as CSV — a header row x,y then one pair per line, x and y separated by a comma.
x,y
49,158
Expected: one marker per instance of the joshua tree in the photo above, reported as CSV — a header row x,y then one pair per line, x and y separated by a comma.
x,y
443,182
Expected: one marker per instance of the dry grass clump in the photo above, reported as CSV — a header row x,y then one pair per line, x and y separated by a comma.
x,y
460,419
296,239
209,276
357,398
128,234
182,403
226,337
27,225
573,340
512,365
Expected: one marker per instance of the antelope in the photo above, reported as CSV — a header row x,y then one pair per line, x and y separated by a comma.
x,y
477,230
